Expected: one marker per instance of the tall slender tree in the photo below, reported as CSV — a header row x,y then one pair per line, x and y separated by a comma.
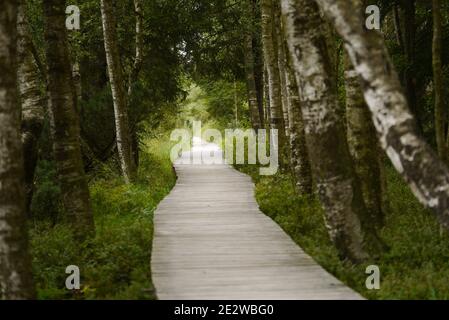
x,y
15,268
251,82
64,121
337,183
282,65
138,56
440,114
266,91
362,142
256,118
409,21
134,76
32,100
273,75
119,96
299,155
413,158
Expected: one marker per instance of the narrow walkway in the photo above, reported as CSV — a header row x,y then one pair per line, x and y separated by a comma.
x,y
212,242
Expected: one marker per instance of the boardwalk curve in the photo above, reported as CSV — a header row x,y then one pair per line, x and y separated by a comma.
x,y
211,242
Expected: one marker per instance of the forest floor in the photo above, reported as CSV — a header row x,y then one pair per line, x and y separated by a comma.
x,y
416,263
115,264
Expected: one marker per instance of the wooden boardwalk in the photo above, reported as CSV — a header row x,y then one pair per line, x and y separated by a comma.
x,y
212,242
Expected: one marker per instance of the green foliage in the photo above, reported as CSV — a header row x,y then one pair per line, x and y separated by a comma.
x,y
217,104
115,264
46,198
414,267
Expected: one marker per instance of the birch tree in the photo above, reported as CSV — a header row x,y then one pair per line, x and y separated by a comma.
x,y
119,96
15,268
251,82
337,183
440,122
273,75
138,57
250,69
32,100
282,66
363,144
413,158
299,155
64,121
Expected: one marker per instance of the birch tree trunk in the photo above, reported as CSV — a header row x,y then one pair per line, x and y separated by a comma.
x,y
271,60
15,268
251,82
337,184
440,121
282,65
409,18
266,97
363,143
299,154
134,76
123,134
32,101
413,158
64,121
138,59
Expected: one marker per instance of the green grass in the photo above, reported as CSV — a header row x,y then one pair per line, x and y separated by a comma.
x,y
415,267
115,264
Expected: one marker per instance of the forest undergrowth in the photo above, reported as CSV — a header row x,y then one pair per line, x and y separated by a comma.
x,y
115,264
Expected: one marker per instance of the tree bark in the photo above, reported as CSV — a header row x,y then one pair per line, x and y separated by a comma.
x,y
32,101
440,114
123,134
138,59
299,154
409,14
337,185
15,267
258,64
134,76
362,142
266,97
398,27
251,82
271,60
64,121
413,158
282,65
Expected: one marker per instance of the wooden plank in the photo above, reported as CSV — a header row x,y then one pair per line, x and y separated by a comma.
x,y
212,242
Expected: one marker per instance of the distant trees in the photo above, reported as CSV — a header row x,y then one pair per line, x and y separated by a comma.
x,y
15,268
65,121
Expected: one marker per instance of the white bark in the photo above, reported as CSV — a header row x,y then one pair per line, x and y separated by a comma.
x,y
412,157
119,96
